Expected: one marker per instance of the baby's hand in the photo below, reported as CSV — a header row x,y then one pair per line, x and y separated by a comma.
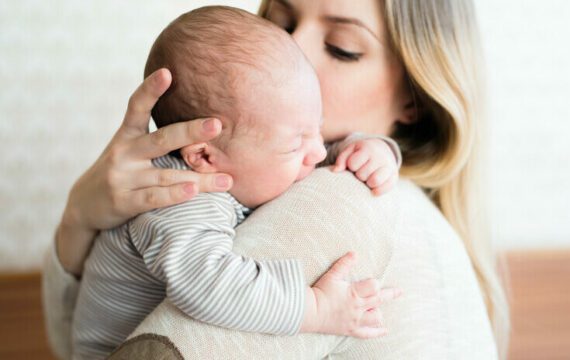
x,y
337,306
372,161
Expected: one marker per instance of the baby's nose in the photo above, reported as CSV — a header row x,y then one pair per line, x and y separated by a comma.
x,y
318,154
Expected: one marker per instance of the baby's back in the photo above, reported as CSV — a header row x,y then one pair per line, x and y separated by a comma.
x,y
117,292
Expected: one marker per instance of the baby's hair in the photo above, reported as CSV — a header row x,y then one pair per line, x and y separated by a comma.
x,y
212,52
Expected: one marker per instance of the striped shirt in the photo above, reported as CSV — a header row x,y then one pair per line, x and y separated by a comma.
x,y
183,252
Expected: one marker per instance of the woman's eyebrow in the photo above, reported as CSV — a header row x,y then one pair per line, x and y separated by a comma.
x,y
335,19
350,21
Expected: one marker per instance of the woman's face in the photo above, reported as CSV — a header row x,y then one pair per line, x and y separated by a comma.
x,y
362,82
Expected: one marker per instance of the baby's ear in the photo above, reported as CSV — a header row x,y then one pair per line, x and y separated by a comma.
x,y
199,157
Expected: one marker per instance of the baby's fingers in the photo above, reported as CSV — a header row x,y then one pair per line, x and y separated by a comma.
x,y
385,187
369,168
382,180
366,288
384,295
341,268
372,318
357,160
389,294
340,164
379,177
369,332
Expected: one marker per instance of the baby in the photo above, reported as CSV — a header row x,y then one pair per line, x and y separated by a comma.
x,y
249,74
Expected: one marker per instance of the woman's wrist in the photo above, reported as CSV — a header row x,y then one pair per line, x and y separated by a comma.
x,y
73,243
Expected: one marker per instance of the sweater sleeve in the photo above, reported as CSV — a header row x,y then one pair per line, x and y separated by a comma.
x,y
59,294
334,149
189,247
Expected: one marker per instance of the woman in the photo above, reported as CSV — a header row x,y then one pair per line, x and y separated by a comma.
x,y
408,69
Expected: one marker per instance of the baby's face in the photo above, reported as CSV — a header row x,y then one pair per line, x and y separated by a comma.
x,y
281,145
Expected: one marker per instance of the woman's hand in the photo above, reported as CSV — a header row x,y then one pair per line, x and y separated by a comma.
x,y
123,182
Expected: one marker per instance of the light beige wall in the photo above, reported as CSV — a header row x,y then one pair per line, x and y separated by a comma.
x,y
67,68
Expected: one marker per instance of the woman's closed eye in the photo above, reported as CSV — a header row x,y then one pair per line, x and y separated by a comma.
x,y
341,54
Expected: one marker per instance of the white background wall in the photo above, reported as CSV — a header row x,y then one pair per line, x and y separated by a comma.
x,y
68,67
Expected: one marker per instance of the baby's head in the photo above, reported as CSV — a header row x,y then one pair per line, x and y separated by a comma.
x,y
234,66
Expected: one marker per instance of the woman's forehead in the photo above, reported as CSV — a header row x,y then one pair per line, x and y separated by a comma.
x,y
365,12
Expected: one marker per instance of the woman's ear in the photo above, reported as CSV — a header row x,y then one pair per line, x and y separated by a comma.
x,y
200,157
410,110
410,114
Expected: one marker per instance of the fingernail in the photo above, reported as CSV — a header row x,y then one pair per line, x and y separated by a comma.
x,y
222,181
190,189
209,125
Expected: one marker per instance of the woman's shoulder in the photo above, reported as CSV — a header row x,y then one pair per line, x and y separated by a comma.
x,y
344,189
408,243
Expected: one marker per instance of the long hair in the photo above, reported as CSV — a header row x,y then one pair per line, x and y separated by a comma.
x,y
438,44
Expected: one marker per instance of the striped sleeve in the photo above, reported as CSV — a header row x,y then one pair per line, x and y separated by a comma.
x,y
189,247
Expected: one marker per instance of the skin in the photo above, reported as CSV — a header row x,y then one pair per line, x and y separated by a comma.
x,y
362,81
280,143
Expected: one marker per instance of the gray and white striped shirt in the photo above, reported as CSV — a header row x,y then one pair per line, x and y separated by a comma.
x,y
183,252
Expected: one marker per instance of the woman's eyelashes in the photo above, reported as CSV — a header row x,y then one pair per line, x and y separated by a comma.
x,y
288,23
341,54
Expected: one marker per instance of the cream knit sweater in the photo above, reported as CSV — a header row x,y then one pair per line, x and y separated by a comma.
x,y
400,238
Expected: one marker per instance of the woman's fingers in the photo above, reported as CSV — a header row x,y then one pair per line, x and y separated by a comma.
x,y
142,101
157,197
175,136
158,177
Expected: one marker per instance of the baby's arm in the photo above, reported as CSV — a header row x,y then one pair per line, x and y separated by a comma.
x,y
374,159
189,247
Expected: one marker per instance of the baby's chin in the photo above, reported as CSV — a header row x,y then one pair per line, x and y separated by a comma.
x,y
305,171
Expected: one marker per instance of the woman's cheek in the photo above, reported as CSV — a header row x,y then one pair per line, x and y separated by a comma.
x,y
343,104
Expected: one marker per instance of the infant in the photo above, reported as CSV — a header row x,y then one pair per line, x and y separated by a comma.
x,y
233,66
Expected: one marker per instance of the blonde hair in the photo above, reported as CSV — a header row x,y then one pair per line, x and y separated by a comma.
x,y
438,44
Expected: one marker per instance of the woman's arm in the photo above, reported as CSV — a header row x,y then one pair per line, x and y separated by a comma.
x,y
121,184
